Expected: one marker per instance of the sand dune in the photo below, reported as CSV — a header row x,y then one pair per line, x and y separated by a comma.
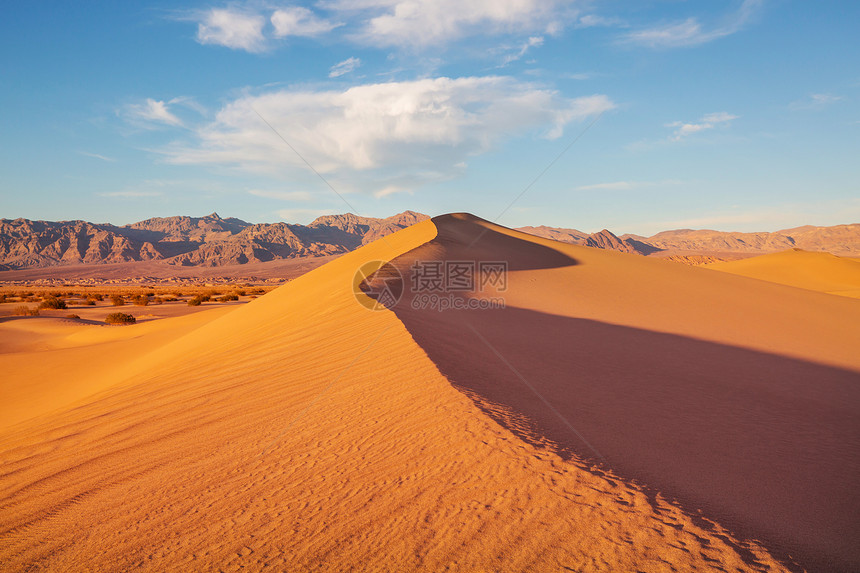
x,y
49,363
821,272
739,398
305,432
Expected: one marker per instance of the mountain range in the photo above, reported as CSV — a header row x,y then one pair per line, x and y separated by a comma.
x,y
187,241
212,241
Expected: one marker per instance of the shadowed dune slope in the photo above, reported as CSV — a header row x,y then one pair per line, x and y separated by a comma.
x,y
821,272
305,432
739,398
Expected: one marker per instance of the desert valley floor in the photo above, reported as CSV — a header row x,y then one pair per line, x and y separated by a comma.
x,y
621,413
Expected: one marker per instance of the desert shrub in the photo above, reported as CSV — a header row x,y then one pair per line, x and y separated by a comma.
x,y
119,318
24,310
2,298
73,316
88,302
117,300
140,300
53,303
240,293
169,299
30,298
228,297
96,296
157,300
196,301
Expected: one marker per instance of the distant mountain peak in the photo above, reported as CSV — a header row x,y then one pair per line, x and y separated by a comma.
x,y
838,239
187,241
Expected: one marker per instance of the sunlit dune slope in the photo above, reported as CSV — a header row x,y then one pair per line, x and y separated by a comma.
x,y
50,363
739,398
821,272
305,432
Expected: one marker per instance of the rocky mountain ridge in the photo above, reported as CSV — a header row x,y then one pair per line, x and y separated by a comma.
x,y
842,240
186,241
212,241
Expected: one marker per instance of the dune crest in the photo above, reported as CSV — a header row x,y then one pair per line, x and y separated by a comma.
x,y
737,397
303,431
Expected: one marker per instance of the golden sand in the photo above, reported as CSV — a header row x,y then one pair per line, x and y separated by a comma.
x,y
303,431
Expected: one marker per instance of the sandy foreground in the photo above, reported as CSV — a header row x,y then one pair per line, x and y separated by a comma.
x,y
303,431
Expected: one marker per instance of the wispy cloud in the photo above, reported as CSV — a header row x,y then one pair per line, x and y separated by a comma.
x,y
421,23
422,128
595,21
533,42
816,101
690,32
97,156
232,28
188,102
708,121
152,111
389,190
413,24
282,195
299,21
344,67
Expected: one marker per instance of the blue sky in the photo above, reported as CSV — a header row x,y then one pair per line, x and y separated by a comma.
x,y
733,114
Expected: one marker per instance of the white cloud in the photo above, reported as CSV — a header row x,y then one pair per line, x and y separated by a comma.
x,y
825,99
152,111
236,29
672,35
690,32
389,190
708,121
419,23
282,195
189,102
593,21
344,67
385,23
534,41
97,156
421,128
719,117
815,101
299,21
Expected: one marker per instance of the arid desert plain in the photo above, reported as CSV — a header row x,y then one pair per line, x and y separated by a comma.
x,y
616,413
